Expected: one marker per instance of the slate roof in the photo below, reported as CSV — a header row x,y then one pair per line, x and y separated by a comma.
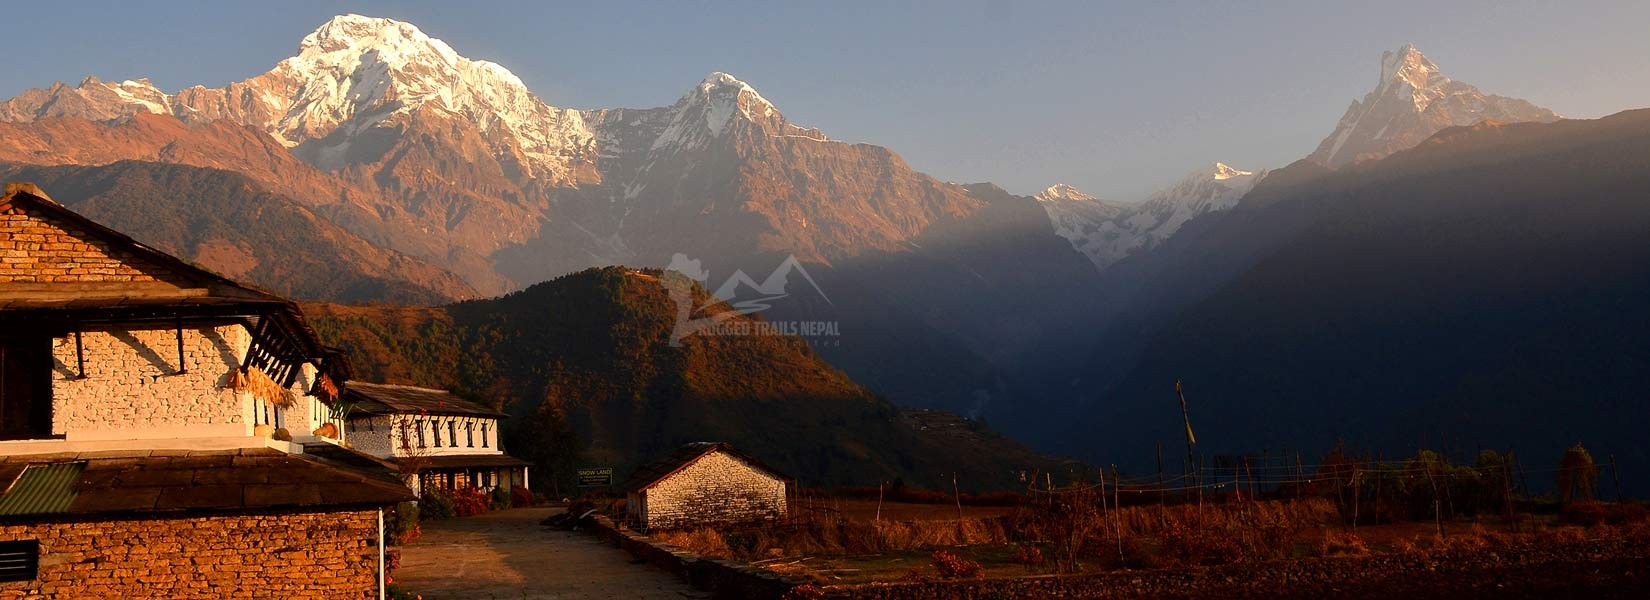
x,y
384,399
188,290
204,287
162,481
652,473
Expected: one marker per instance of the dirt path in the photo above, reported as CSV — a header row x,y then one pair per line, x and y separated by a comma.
x,y
507,555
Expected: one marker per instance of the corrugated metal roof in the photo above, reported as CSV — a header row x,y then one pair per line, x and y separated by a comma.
x,y
42,490
120,481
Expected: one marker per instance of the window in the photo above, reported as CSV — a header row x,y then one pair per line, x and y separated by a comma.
x,y
25,387
419,425
435,432
452,433
470,434
483,435
19,560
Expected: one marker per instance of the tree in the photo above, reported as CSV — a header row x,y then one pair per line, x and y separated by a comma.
x,y
551,445
1577,475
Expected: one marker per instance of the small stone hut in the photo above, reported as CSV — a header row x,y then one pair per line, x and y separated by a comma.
x,y
705,483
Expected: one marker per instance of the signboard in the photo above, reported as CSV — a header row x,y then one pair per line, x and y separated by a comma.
x,y
596,477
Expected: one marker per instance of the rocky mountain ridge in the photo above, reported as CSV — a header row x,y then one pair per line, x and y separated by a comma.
x,y
1412,101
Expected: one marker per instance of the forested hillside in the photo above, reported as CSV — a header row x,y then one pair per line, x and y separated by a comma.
x,y
584,365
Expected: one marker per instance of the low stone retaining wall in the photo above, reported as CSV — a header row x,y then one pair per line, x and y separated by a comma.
x,y
274,554
1593,570
724,578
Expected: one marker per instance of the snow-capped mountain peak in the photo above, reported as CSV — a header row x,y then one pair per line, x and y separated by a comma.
x,y
1410,67
1221,171
362,70
1107,233
1063,192
710,109
1412,101
355,34
720,96
351,75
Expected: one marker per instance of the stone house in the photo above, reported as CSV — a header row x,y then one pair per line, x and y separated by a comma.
x,y
438,440
154,419
705,483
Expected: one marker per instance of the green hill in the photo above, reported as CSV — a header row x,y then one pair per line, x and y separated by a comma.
x,y
584,365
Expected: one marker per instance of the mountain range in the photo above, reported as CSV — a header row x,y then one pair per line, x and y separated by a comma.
x,y
396,138
1478,290
379,164
1108,232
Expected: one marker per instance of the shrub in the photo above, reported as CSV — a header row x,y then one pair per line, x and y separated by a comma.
x,y
499,499
436,505
806,591
521,496
1585,514
1403,546
1028,555
392,561
1466,542
403,524
1200,547
1577,475
1561,536
1627,514
469,502
1343,544
703,542
951,566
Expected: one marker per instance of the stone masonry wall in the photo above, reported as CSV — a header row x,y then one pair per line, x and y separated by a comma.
x,y
272,555
372,435
42,249
132,385
716,488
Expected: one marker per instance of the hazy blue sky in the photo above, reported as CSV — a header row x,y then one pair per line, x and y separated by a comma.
x,y
1118,99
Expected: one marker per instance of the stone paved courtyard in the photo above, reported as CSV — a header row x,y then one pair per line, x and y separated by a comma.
x,y
508,554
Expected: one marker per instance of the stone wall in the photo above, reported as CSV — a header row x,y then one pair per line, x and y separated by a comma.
x,y
270,555
373,435
1589,569
132,388
716,488
723,578
42,249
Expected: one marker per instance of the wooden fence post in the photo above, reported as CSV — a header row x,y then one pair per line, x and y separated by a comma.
x,y
1615,474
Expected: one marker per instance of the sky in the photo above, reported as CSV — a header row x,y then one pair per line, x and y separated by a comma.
x,y
1118,99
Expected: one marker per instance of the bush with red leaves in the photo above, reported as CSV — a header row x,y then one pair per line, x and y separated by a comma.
x,y
521,496
1585,514
951,566
1627,514
469,502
